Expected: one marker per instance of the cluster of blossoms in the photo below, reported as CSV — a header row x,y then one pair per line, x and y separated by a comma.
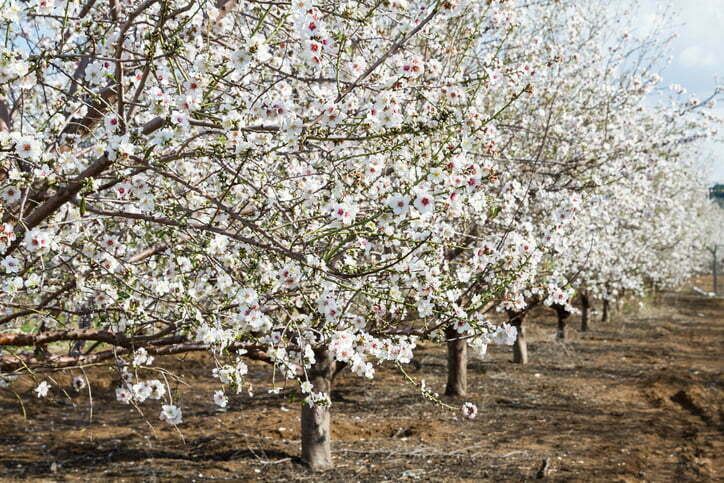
x,y
12,66
307,183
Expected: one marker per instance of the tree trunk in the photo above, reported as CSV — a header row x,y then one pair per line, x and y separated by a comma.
x,y
585,306
604,316
520,347
714,270
457,364
84,323
316,433
562,315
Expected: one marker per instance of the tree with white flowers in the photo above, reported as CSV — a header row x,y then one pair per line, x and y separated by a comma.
x,y
254,179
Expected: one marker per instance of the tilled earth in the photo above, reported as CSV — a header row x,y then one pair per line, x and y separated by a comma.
x,y
635,399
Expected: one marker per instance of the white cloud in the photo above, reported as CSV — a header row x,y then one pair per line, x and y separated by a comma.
x,y
697,56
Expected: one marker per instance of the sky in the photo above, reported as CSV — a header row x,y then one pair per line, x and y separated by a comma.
x,y
697,60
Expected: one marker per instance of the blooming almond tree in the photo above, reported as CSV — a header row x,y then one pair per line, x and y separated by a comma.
x,y
262,180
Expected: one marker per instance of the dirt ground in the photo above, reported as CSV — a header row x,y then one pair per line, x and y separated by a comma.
x,y
635,399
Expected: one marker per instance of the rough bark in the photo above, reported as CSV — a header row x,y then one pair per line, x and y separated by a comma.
x,y
83,323
316,421
520,347
6,120
714,270
585,307
562,314
604,315
457,364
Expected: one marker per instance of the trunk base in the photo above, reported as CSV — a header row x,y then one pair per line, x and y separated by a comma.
x,y
316,437
562,313
457,364
562,332
520,346
585,306
316,421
